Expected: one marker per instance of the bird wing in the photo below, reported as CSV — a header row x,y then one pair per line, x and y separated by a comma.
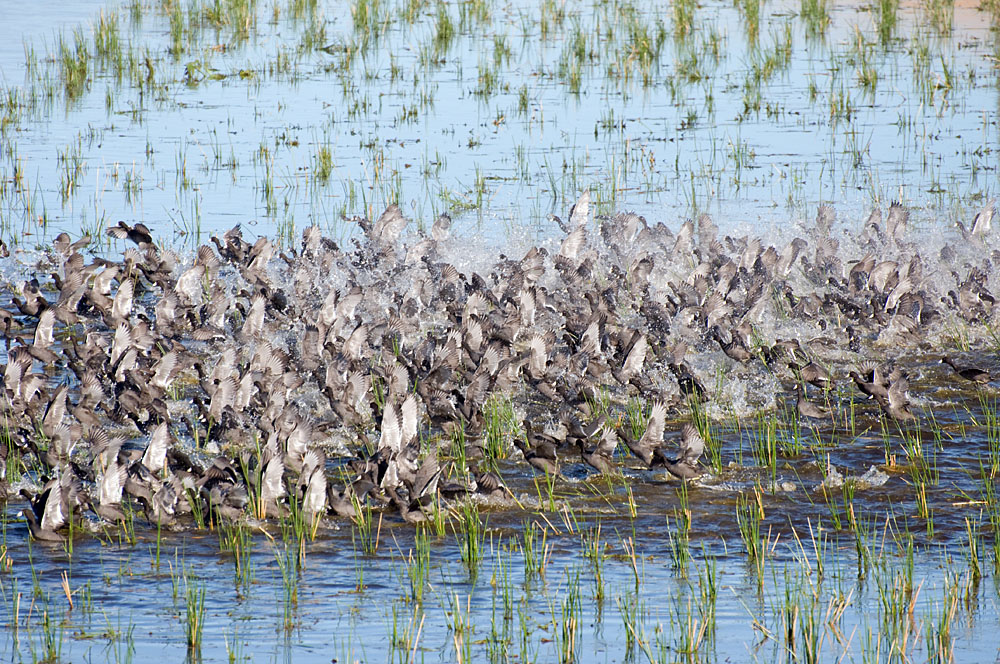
x,y
254,323
298,439
654,426
224,395
121,308
636,357
272,487
692,444
426,479
56,410
43,331
389,225
539,356
392,435
111,484
897,393
53,516
122,341
314,501
572,243
163,369
609,442
353,346
580,211
155,455
409,420
983,221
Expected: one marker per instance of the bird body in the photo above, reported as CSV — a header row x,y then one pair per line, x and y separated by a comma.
x,y
685,465
601,458
970,373
806,408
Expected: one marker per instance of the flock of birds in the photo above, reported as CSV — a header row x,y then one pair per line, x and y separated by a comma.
x,y
247,382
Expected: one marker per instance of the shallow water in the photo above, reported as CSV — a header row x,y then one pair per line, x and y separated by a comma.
x,y
231,129
279,116
843,575
355,607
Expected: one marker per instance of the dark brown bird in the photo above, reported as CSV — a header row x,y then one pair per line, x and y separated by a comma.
x,y
602,457
685,465
970,373
896,404
812,373
873,388
807,408
647,445
539,450
139,233
732,348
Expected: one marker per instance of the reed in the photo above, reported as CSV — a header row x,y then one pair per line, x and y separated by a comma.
x,y
471,534
194,613
417,563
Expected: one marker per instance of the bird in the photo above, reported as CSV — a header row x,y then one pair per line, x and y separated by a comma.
x,y
139,233
733,348
48,511
806,408
647,445
538,450
811,373
875,386
970,373
601,458
685,465
896,403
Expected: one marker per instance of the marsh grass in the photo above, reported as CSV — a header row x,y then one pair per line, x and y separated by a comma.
x,y
636,416
323,164
288,561
456,452
816,16
366,531
940,14
679,537
501,423
749,517
567,619
194,612
535,549
74,65
417,564
470,531
764,442
462,630
885,17
237,540
545,488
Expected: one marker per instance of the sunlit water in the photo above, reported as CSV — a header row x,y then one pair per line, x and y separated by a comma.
x,y
354,607
230,131
504,112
